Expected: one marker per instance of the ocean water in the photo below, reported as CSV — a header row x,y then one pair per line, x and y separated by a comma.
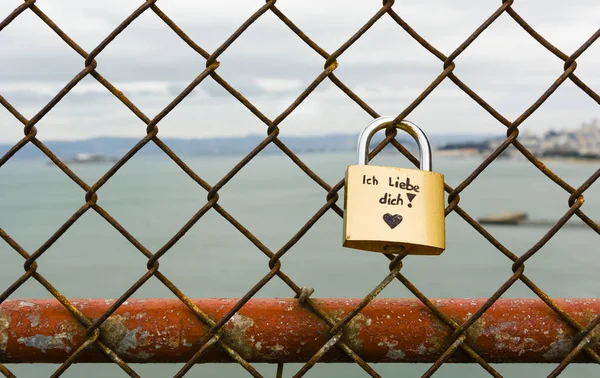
x,y
152,198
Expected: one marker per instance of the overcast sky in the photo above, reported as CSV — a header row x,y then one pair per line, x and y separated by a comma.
x,y
271,66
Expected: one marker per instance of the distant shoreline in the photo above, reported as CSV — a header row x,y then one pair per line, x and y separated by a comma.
x,y
544,159
569,160
436,154
580,145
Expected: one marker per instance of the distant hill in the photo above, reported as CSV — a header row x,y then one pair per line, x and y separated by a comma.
x,y
117,146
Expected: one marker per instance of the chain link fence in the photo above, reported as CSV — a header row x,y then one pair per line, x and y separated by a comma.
x,y
331,204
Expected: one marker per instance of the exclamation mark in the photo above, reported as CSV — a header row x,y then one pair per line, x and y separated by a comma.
x,y
410,197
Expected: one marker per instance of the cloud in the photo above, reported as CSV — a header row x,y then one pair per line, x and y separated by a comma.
x,y
277,85
271,66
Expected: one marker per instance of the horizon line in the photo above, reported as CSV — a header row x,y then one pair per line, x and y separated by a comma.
x,y
238,137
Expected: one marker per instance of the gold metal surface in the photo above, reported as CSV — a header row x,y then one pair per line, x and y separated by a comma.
x,y
394,210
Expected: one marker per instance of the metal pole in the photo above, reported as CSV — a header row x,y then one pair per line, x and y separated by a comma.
x,y
282,330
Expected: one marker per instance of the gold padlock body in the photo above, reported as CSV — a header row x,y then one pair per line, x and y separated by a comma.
x,y
394,210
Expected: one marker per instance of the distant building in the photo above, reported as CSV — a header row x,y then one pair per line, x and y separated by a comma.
x,y
531,141
589,139
583,142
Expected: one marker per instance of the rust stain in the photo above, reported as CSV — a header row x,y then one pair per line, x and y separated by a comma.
x,y
125,340
234,334
352,331
4,327
43,342
34,319
130,341
560,347
113,331
393,353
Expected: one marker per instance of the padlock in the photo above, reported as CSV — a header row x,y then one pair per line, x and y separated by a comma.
x,y
391,209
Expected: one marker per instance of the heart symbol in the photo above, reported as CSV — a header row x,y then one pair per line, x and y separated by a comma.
x,y
392,220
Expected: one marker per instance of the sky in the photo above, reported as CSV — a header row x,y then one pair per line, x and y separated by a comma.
x,y
271,66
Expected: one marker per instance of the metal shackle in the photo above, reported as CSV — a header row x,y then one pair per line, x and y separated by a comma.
x,y
365,136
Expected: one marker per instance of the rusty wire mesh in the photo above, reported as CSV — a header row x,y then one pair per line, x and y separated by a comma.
x,y
575,199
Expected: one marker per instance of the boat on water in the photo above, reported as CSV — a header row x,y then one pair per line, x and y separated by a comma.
x,y
522,219
512,217
88,158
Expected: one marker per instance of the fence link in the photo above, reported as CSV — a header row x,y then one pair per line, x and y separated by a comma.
x,y
275,269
